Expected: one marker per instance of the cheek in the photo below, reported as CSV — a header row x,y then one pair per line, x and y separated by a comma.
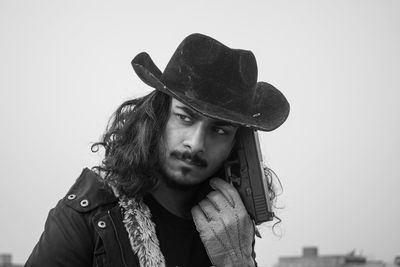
x,y
170,138
220,153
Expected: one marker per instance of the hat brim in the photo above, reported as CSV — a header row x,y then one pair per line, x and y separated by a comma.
x,y
269,119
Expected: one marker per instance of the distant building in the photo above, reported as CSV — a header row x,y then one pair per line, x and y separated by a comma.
x,y
310,258
5,261
397,261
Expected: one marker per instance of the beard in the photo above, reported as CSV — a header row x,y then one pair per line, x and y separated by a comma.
x,y
178,181
172,182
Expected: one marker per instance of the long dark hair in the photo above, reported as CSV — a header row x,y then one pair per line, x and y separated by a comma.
x,y
131,142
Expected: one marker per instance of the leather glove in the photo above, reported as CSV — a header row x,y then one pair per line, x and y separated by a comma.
x,y
225,227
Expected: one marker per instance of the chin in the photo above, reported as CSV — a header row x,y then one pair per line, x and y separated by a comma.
x,y
183,178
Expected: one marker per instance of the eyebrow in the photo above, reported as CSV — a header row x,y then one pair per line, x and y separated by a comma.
x,y
189,111
195,115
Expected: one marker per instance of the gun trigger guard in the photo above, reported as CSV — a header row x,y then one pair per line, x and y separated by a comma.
x,y
236,181
232,178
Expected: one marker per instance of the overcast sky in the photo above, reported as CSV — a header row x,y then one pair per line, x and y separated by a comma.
x,y
65,67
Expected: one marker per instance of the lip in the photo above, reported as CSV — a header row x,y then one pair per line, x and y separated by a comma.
x,y
188,163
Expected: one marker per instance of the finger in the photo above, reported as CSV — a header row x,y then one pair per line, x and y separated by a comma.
x,y
228,190
199,218
219,201
209,209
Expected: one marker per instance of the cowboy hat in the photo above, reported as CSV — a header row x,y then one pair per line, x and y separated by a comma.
x,y
218,82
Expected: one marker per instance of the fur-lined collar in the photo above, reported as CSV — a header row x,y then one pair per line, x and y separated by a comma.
x,y
141,231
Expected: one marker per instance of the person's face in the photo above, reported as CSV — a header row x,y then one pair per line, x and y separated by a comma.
x,y
195,145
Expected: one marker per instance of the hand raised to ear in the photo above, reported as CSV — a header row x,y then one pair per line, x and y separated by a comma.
x,y
225,227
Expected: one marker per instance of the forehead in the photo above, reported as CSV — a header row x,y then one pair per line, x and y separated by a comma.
x,y
177,105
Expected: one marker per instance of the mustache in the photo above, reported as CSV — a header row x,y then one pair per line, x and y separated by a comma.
x,y
194,158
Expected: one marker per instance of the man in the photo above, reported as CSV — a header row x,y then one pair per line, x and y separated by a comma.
x,y
155,190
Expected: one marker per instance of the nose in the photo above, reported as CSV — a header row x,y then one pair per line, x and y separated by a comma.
x,y
195,139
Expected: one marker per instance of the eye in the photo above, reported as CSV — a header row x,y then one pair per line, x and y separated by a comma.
x,y
183,117
221,131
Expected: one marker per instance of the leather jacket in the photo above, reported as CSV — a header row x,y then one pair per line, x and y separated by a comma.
x,y
84,229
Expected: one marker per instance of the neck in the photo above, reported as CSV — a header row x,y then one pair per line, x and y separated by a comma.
x,y
177,201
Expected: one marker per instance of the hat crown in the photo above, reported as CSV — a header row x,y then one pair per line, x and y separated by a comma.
x,y
203,68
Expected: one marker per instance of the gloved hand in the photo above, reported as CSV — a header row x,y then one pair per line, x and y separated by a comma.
x,y
225,227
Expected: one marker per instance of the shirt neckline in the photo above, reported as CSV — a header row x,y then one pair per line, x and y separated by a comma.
x,y
159,212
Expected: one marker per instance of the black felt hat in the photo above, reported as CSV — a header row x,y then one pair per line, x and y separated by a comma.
x,y
217,81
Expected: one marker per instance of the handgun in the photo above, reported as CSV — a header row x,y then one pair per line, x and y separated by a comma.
x,y
244,169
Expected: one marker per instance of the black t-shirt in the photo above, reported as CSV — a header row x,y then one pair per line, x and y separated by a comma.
x,y
179,240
